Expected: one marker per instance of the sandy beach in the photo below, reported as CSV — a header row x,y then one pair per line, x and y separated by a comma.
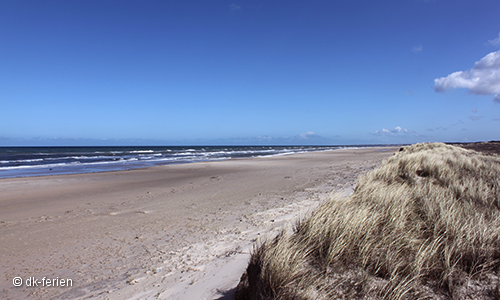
x,y
169,232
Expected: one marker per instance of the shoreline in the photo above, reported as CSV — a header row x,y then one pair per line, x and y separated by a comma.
x,y
50,161
169,231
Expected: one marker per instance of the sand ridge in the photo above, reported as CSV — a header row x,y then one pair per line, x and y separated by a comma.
x,y
169,232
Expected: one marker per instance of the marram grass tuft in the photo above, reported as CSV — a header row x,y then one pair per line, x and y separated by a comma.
x,y
424,225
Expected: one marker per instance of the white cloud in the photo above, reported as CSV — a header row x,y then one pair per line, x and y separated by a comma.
x,y
394,132
417,49
309,135
306,138
235,7
482,79
495,42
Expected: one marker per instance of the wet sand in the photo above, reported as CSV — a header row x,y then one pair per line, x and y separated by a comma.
x,y
168,232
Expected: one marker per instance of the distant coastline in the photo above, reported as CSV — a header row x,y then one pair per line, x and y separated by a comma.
x,y
27,161
491,147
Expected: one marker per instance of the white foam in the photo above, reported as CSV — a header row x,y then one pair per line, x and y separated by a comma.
x,y
22,160
33,166
142,151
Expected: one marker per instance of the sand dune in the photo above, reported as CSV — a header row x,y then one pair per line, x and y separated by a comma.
x,y
424,225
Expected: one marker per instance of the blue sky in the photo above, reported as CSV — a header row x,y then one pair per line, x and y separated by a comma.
x,y
249,72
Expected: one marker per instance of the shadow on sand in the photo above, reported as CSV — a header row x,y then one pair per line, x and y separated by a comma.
x,y
227,295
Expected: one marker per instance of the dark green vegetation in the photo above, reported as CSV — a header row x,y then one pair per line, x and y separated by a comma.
x,y
424,225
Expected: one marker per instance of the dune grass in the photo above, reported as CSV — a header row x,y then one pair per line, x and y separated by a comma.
x,y
424,225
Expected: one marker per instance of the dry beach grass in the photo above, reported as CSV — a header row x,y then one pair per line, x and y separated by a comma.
x,y
424,225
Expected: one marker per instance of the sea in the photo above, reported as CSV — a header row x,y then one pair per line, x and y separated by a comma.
x,y
42,161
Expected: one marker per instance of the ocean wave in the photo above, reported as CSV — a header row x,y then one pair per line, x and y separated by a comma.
x,y
22,162
186,153
80,160
141,151
33,166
